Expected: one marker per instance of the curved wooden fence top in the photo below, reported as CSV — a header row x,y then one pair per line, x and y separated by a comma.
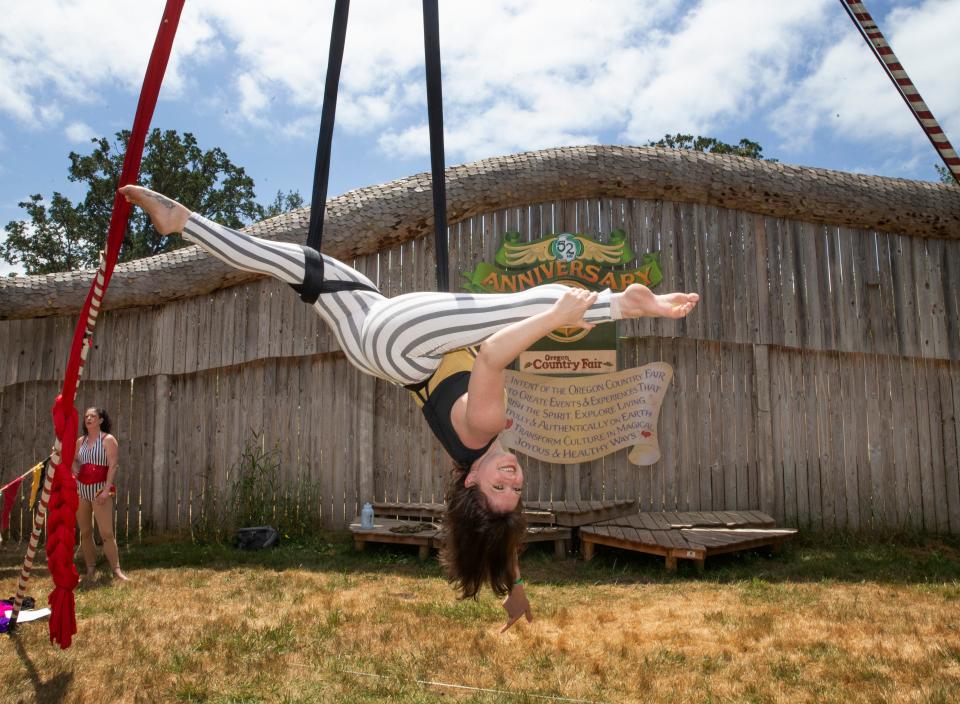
x,y
369,219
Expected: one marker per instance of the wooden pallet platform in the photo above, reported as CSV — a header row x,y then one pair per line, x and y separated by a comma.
x,y
383,532
686,536
434,512
580,513
558,535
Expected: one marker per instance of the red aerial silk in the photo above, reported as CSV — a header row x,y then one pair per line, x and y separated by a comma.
x,y
62,508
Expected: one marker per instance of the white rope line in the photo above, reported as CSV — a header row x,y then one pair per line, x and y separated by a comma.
x,y
433,683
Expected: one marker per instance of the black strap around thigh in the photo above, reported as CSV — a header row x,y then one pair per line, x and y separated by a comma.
x,y
313,284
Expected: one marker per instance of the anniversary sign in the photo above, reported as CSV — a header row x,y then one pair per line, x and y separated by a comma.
x,y
579,419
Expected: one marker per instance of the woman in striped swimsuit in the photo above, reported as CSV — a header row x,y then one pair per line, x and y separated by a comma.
x,y
94,466
418,340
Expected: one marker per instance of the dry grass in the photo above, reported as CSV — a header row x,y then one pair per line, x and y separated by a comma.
x,y
825,622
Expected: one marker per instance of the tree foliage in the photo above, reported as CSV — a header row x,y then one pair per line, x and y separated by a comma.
x,y
945,175
745,147
62,235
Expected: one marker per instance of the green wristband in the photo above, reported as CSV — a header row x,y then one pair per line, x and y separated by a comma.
x,y
519,581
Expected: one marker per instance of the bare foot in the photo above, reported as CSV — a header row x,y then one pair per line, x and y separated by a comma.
x,y
120,576
168,216
637,301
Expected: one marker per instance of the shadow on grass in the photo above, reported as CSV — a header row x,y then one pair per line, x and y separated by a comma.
x,y
54,689
813,558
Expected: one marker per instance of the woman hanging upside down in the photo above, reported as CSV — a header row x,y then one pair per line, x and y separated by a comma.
x,y
422,341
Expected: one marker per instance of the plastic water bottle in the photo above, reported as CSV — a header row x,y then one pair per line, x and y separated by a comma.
x,y
366,516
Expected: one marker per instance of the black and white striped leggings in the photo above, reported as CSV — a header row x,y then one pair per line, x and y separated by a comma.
x,y
401,339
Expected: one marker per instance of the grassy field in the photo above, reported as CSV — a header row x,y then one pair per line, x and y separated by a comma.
x,y
828,620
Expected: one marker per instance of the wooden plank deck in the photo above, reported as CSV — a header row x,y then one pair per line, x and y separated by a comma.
x,y
687,536
669,520
580,513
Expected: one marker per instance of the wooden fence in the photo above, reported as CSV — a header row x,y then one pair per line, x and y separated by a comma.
x,y
819,379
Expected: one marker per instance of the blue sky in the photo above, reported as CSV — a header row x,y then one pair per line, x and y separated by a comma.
x,y
518,74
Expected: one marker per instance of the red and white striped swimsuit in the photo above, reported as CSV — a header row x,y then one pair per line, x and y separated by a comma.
x,y
92,477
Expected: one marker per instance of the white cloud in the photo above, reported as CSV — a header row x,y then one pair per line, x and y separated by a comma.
x,y
79,132
55,53
252,98
517,75
850,95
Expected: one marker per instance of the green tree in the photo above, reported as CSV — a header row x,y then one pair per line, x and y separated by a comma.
x,y
62,235
746,147
282,203
945,175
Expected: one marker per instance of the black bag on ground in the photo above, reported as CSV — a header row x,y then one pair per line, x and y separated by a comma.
x,y
256,538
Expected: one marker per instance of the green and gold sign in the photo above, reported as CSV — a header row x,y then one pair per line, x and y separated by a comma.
x,y
574,260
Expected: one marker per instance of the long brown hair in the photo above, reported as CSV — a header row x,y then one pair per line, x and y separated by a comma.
x,y
480,545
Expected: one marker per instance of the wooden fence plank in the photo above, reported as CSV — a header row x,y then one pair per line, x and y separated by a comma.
x,y
744,295
790,286
671,262
937,469
898,505
856,375
726,426
741,387
711,256
936,307
809,505
924,448
910,431
874,460
713,466
953,480
810,287
774,260
949,393
890,400
723,269
670,438
821,425
341,444
780,375
951,275
762,405
685,384
924,283
887,327
871,300
328,444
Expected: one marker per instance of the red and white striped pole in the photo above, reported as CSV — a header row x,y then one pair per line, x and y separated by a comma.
x,y
894,69
55,459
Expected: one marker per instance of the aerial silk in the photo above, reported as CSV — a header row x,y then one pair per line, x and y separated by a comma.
x,y
314,283
59,500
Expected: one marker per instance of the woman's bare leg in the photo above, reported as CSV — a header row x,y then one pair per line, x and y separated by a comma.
x,y
104,515
87,547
